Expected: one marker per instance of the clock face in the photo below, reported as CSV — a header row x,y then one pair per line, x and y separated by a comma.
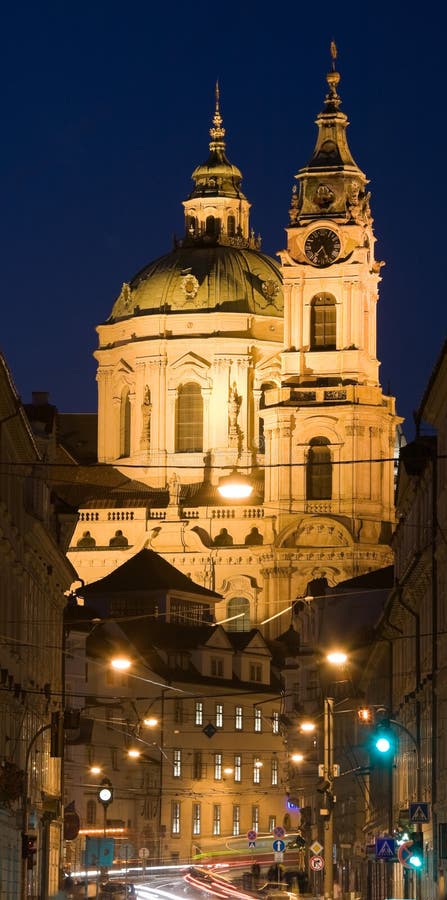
x,y
322,247
105,795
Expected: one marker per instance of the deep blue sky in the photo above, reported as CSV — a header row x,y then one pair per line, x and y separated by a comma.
x,y
105,113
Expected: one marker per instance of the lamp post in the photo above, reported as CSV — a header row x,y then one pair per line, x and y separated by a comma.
x,y
328,770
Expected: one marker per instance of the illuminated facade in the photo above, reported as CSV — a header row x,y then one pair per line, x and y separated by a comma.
x,y
214,357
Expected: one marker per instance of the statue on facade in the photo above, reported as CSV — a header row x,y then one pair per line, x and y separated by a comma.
x,y
174,488
146,410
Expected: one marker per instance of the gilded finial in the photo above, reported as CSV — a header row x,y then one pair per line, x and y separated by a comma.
x,y
333,78
217,131
333,54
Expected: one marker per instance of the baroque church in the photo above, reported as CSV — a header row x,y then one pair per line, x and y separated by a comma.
x,y
219,360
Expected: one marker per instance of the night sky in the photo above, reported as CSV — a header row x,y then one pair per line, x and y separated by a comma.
x,y
105,112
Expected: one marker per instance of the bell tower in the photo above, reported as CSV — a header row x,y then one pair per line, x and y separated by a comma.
x,y
330,432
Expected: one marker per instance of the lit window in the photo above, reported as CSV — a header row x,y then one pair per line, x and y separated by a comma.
x,y
238,768
274,771
272,823
177,763
238,611
216,818
236,820
217,766
196,810
198,717
275,723
323,322
257,765
238,718
175,817
255,818
258,719
189,419
219,715
319,470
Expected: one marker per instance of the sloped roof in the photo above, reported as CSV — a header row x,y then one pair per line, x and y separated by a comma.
x,y
146,570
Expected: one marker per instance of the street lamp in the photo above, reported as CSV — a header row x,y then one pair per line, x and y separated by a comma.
x,y
234,486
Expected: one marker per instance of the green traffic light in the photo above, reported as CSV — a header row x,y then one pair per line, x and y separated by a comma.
x,y
415,861
383,744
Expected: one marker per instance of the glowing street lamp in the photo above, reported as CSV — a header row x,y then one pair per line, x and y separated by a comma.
x,y
234,486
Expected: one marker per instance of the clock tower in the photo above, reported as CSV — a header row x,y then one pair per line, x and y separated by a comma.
x,y
329,427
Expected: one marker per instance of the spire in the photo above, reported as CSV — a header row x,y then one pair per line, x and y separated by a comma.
x,y
331,184
217,132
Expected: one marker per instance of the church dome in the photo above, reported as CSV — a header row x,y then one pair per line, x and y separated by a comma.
x,y
218,264
202,279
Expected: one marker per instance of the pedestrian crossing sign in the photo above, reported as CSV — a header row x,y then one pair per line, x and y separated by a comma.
x,y
386,848
419,812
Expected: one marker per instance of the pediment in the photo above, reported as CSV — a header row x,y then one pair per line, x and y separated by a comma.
x,y
317,531
191,360
218,640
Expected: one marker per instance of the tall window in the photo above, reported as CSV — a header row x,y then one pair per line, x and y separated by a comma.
x,y
257,764
197,768
196,811
217,816
189,419
238,767
210,225
198,713
272,823
231,229
258,719
91,812
219,715
238,611
217,766
238,718
255,672
319,470
217,667
177,764
275,722
236,819
274,770
125,419
175,817
255,818
323,322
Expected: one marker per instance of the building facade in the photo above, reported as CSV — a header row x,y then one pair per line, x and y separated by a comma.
x,y
216,357
34,574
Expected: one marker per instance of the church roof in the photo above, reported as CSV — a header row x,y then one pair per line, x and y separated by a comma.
x,y
199,278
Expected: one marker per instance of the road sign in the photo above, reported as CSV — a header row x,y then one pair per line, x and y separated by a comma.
x,y
278,857
251,844
404,853
144,853
279,846
385,848
252,835
419,812
279,831
316,863
316,847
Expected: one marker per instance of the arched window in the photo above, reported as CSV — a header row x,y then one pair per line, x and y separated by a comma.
x,y
319,470
238,606
125,417
91,812
231,226
189,419
261,436
210,225
323,322
191,224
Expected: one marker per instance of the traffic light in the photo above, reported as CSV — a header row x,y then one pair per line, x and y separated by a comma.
x,y
29,849
416,858
383,741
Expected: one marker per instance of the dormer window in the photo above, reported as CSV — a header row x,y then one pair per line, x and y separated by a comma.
x,y
217,667
255,672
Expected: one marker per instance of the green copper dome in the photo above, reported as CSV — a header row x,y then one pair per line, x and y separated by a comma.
x,y
204,279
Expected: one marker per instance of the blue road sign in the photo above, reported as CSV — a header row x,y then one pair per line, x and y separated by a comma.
x,y
385,848
279,846
419,812
99,851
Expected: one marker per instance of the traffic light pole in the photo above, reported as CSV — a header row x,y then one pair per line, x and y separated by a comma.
x,y
25,817
328,769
